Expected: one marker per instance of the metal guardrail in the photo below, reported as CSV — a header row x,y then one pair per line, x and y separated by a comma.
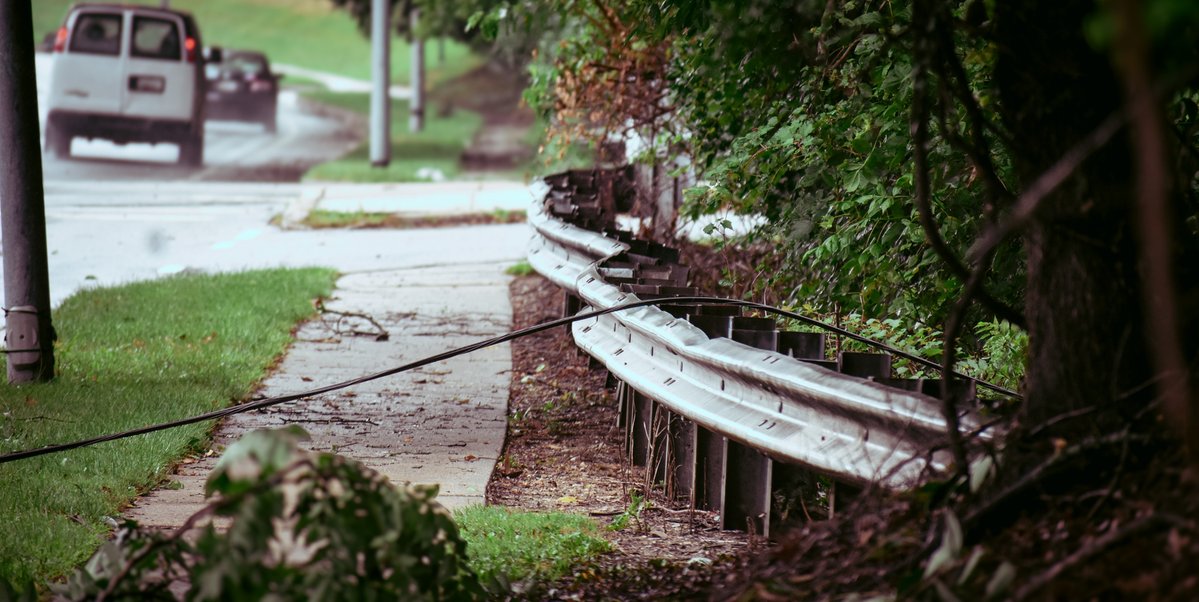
x,y
851,429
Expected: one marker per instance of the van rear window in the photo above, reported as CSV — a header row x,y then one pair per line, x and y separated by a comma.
x,y
156,39
97,33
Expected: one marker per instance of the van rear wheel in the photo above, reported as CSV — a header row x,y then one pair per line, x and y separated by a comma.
x,y
191,150
58,141
270,122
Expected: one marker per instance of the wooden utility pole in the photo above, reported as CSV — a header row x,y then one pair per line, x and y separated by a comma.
x,y
29,334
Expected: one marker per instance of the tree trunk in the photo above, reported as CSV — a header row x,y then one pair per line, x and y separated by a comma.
x,y
1087,343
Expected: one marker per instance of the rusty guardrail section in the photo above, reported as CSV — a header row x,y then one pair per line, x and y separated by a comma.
x,y
714,419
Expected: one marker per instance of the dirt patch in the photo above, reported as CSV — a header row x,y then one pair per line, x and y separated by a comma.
x,y
565,452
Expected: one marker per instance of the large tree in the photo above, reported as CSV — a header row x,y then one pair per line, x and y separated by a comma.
x,y
1097,282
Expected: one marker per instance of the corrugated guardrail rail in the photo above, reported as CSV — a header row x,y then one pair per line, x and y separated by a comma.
x,y
717,406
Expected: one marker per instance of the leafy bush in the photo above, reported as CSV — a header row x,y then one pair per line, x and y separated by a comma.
x,y
304,526
1004,354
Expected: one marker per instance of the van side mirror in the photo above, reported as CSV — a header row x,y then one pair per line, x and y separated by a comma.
x,y
214,54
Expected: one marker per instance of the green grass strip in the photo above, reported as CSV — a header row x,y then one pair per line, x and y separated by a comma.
x,y
414,156
131,356
527,546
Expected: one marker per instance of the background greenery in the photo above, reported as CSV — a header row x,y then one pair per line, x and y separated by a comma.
x,y
437,147
308,33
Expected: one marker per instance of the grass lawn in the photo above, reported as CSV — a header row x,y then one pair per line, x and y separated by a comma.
x,y
527,546
307,33
415,157
132,356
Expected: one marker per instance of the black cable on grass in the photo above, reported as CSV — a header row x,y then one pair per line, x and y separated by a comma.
x,y
273,401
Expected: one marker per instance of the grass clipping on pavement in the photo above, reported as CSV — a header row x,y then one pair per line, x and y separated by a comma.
x,y
127,357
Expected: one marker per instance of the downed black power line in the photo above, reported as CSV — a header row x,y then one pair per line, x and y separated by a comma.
x,y
273,401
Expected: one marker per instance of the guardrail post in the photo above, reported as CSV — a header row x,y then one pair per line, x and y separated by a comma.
x,y
639,428
748,472
759,333
840,496
713,326
681,481
866,365
658,460
622,406
571,305
747,490
802,345
710,455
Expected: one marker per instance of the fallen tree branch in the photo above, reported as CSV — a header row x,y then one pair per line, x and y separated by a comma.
x,y
382,335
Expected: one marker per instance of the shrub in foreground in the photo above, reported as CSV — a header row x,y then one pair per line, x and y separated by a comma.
x,y
303,526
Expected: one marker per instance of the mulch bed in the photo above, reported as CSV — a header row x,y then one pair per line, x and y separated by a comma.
x,y
565,452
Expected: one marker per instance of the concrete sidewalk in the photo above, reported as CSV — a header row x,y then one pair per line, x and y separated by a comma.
x,y
444,423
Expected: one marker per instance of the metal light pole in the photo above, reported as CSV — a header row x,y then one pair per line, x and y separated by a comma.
x,y
380,125
29,336
416,117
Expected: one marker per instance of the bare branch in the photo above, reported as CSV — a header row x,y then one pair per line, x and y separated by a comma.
x,y
921,18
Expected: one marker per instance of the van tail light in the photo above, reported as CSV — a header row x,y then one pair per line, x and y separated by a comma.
x,y
60,39
189,47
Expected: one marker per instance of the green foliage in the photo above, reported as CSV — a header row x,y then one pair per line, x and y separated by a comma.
x,y
304,526
920,340
828,160
994,351
507,29
1003,357
800,113
508,547
127,357
632,513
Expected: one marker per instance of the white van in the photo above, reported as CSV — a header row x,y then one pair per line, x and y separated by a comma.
x,y
128,74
